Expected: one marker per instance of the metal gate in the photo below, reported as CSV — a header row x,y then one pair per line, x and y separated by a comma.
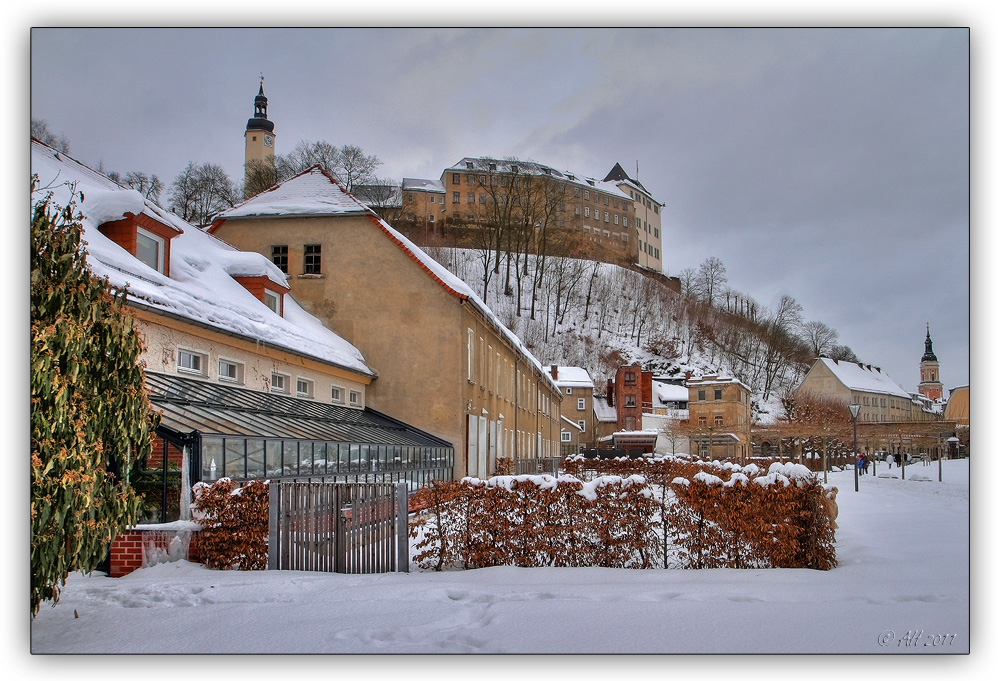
x,y
356,528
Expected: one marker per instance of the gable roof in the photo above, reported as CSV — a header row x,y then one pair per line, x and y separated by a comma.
x,y
316,193
861,377
482,164
572,377
200,289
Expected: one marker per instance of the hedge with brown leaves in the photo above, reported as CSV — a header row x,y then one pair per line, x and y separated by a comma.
x,y
234,524
538,520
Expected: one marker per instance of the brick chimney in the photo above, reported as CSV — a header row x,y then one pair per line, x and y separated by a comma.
x,y
555,372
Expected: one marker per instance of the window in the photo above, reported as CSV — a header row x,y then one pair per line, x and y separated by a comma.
x,y
456,197
279,256
718,420
606,218
629,378
312,262
616,218
337,394
702,420
581,404
569,391
149,249
279,382
701,395
303,387
565,436
625,222
471,198
469,357
583,426
586,211
718,393
630,400
190,362
456,178
230,371
355,398
430,218
273,301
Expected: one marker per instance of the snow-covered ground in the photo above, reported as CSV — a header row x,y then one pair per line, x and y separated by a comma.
x,y
903,547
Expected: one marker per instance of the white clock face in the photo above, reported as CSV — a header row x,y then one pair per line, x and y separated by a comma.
x,y
268,141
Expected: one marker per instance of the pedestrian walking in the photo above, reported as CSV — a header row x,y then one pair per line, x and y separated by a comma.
x,y
890,459
867,461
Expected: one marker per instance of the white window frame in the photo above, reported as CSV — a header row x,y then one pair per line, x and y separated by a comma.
x,y
569,391
336,394
355,398
160,242
238,378
284,380
583,426
202,360
581,404
309,387
269,297
565,436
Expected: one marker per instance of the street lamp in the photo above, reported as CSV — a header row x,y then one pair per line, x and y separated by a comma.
x,y
855,408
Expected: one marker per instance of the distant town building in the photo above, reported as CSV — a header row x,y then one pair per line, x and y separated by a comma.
x,y
630,392
719,417
957,408
578,430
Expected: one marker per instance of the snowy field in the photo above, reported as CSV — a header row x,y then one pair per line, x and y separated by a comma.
x,y
903,548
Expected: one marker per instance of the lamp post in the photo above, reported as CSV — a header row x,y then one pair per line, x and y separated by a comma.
x,y
855,408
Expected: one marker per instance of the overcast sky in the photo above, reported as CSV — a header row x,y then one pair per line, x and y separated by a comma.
x,y
831,165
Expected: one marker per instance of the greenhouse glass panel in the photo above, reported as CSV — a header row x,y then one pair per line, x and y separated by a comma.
x,y
236,461
273,461
211,458
255,458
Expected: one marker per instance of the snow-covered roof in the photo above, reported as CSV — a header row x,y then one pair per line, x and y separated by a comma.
x,y
603,411
669,392
713,379
413,184
308,193
316,193
862,377
534,168
571,377
572,423
200,288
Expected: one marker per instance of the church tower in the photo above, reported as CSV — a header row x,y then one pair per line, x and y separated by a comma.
x,y
930,377
259,134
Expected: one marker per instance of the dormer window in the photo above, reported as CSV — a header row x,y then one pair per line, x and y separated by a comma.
x,y
273,301
149,248
145,238
266,290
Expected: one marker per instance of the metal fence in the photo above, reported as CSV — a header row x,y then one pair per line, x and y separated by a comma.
x,y
356,528
549,465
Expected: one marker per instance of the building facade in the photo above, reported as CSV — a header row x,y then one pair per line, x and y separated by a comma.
x,y
248,384
719,417
630,392
446,364
579,427
647,223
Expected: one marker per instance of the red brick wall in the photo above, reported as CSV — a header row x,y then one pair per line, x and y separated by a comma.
x,y
126,550
174,454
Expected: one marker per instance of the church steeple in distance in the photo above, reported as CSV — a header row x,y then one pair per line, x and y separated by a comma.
x,y
259,135
930,374
928,349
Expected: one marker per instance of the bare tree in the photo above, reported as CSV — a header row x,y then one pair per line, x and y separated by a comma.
x,y
40,131
711,278
200,192
149,186
819,337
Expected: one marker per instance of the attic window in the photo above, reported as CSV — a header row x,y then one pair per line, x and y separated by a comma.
x,y
149,249
273,301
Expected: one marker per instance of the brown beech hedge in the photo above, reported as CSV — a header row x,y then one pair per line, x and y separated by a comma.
x,y
634,513
234,524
